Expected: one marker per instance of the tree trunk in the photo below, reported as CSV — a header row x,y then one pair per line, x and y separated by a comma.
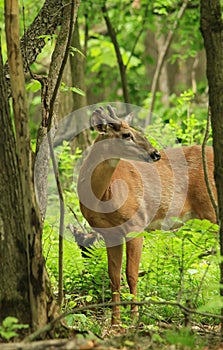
x,y
212,31
14,288
69,120
24,285
22,272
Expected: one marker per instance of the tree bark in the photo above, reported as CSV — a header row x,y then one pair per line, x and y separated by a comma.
x,y
24,285
14,291
212,31
77,64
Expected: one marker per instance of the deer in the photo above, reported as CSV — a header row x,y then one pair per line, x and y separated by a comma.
x,y
126,185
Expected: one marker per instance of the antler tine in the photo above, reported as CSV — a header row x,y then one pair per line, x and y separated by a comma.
x,y
100,119
103,117
99,110
112,112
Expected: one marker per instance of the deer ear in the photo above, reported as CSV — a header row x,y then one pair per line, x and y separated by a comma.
x,y
129,118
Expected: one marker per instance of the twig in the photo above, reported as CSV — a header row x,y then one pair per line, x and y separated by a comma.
x,y
181,268
76,218
86,34
161,59
61,227
204,160
201,282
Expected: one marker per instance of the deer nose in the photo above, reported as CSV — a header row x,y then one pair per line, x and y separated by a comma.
x,y
155,155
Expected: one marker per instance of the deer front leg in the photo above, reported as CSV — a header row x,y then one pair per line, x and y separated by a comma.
x,y
133,252
114,271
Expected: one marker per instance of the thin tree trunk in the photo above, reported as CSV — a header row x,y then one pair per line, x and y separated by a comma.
x,y
212,31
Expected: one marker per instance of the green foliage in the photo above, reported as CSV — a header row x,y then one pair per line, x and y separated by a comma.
x,y
73,264
181,266
183,123
10,327
184,337
66,164
132,25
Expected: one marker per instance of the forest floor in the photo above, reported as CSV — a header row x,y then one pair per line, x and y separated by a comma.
x,y
130,339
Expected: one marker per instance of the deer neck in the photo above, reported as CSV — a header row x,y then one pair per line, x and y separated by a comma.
x,y
95,176
102,176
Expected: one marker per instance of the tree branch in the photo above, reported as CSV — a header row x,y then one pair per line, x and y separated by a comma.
x,y
33,39
122,67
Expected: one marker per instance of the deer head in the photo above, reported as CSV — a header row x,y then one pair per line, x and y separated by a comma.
x,y
109,126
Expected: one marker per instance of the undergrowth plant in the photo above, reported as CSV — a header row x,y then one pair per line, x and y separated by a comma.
x,y
179,267
11,328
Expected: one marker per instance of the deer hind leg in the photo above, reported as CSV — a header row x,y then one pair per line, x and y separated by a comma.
x,y
114,271
133,252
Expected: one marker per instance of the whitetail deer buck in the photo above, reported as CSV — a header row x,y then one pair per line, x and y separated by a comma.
x,y
122,190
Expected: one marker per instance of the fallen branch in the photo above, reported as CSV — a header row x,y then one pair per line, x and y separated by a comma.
x,y
59,344
184,309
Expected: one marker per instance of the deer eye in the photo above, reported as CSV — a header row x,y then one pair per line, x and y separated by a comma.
x,y
127,136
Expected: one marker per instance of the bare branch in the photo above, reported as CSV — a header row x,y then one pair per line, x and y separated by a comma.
x,y
122,67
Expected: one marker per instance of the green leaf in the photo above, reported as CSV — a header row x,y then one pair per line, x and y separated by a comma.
x,y
33,86
77,90
8,334
73,50
65,88
89,298
9,321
